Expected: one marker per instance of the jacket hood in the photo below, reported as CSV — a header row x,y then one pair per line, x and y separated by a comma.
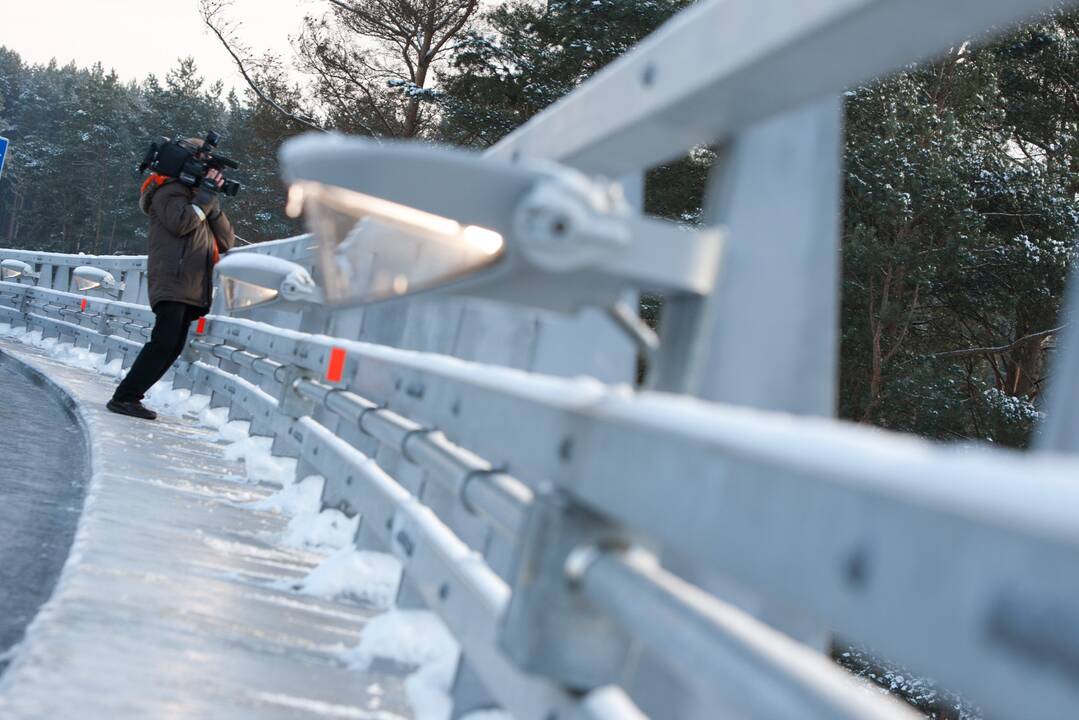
x,y
149,187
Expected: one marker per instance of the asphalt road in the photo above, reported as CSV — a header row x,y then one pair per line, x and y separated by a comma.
x,y
43,474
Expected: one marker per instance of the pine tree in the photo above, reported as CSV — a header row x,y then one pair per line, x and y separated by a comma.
x,y
959,232
255,131
78,134
533,56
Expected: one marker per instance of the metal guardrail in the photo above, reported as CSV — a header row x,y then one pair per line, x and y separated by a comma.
x,y
762,476
594,548
55,270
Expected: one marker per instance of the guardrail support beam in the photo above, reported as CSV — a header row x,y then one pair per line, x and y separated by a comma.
x,y
1059,431
770,336
469,693
549,629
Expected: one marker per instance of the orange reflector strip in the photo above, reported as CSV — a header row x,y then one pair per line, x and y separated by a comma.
x,y
200,327
82,305
336,368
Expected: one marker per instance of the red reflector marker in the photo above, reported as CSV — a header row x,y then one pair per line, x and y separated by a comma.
x,y
336,368
200,328
82,305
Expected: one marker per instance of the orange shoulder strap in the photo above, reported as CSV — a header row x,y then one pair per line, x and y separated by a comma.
x,y
153,179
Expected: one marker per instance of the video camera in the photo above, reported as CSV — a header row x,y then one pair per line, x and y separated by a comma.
x,y
189,163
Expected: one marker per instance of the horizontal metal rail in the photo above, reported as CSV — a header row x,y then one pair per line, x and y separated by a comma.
x,y
56,328
113,263
699,630
494,496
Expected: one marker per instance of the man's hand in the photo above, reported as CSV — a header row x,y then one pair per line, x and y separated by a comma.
x,y
206,197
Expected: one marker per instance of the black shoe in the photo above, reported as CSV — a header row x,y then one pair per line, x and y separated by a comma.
x,y
134,408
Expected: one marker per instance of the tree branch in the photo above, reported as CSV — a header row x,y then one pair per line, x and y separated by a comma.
x,y
999,349
208,13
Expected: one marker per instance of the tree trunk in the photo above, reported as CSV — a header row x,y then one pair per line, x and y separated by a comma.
x,y
111,244
13,223
1024,363
423,64
100,202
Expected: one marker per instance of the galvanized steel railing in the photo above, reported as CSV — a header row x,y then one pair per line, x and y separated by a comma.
x,y
600,552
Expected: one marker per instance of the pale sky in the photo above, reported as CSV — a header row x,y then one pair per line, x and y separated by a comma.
x,y
137,37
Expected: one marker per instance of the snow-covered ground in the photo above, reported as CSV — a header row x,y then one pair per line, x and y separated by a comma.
x,y
410,642
64,352
412,638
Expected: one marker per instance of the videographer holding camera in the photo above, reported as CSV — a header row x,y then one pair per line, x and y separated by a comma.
x,y
188,233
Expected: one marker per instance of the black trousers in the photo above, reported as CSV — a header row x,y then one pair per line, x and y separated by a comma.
x,y
171,323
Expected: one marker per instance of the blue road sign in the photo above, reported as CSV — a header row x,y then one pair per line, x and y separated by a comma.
x,y
3,153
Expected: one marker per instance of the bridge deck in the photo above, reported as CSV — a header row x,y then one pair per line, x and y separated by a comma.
x,y
174,602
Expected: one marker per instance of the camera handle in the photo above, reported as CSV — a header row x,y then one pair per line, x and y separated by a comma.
x,y
208,184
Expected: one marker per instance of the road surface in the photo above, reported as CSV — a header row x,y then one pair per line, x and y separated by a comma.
x,y
43,473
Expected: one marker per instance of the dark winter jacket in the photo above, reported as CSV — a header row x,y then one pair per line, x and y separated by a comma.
x,y
181,254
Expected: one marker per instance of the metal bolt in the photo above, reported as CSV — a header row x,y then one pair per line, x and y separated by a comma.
x,y
648,77
406,542
565,449
857,569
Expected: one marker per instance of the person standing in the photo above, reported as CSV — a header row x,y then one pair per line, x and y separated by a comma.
x,y
188,233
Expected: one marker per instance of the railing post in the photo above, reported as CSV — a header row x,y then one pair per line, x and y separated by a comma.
x,y
62,278
1059,431
144,290
46,279
468,692
548,628
768,336
98,343
132,280
181,376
